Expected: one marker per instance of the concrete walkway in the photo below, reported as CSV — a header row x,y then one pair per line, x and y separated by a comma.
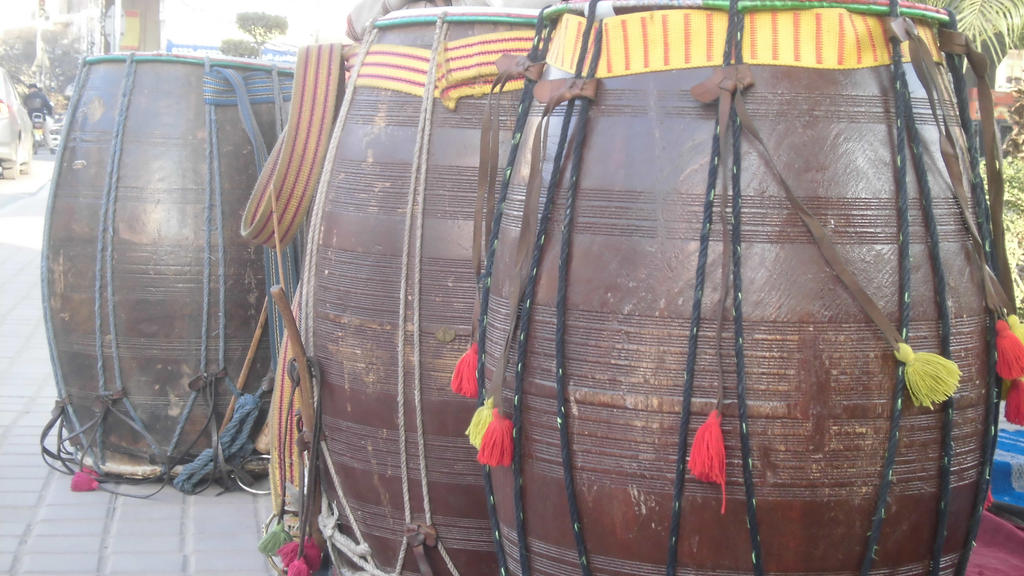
x,y
44,527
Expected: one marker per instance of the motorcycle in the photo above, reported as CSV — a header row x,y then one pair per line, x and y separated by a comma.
x,y
42,137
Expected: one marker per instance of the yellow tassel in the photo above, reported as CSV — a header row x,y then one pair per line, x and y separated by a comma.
x,y
1015,326
931,379
481,420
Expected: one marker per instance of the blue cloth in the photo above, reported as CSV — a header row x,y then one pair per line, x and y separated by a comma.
x,y
1009,457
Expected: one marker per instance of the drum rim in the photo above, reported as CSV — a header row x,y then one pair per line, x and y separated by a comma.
x,y
188,59
877,7
457,14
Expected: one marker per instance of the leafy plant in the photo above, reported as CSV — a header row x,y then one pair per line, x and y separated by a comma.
x,y
261,27
239,48
995,26
1013,217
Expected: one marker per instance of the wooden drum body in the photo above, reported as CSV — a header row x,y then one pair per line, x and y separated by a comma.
x,y
377,365
144,271
819,377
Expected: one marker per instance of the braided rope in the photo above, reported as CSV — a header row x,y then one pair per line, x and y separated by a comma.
x,y
105,260
956,67
58,373
524,325
561,307
942,303
538,52
899,84
416,189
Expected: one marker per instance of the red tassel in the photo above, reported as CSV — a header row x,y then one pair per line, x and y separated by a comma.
x,y
84,481
310,560
707,458
464,375
496,446
298,568
988,499
1015,403
1009,352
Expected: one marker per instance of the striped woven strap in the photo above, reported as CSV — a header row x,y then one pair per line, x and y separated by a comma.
x,y
219,90
292,172
466,67
285,459
639,42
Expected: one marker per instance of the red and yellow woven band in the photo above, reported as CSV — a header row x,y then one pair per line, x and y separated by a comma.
x,y
292,171
824,38
465,68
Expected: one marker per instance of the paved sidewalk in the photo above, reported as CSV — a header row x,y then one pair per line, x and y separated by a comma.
x,y
44,527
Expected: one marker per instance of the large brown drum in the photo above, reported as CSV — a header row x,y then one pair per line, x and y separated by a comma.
x,y
150,295
393,286
809,392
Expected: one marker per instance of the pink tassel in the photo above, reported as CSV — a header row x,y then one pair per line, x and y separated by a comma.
x,y
84,481
298,568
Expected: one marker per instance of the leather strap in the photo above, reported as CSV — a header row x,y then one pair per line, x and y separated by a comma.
x,y
527,233
511,66
952,148
730,91
958,43
418,536
554,91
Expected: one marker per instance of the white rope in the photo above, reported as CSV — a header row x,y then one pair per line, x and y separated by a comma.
x,y
319,201
415,189
358,551
441,32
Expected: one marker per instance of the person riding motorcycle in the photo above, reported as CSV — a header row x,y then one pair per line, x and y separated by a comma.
x,y
40,110
37,102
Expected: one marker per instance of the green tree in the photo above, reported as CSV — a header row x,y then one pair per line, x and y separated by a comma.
x,y
261,27
63,50
995,26
239,48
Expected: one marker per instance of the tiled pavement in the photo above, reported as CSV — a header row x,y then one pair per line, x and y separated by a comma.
x,y
44,527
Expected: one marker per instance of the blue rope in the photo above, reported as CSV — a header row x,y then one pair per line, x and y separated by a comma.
x,y
235,444
58,373
105,258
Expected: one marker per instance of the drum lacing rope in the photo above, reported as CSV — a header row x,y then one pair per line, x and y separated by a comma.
x,y
901,105
417,189
213,198
561,306
736,21
902,93
693,337
104,258
955,63
538,53
358,551
62,408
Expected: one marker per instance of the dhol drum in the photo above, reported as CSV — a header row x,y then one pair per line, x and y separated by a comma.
x,y
674,291
151,297
389,284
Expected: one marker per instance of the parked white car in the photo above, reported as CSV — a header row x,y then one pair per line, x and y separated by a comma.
x,y
15,131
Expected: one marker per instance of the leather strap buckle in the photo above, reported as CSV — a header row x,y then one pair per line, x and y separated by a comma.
x,y
509,66
725,79
205,379
418,536
901,28
555,91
